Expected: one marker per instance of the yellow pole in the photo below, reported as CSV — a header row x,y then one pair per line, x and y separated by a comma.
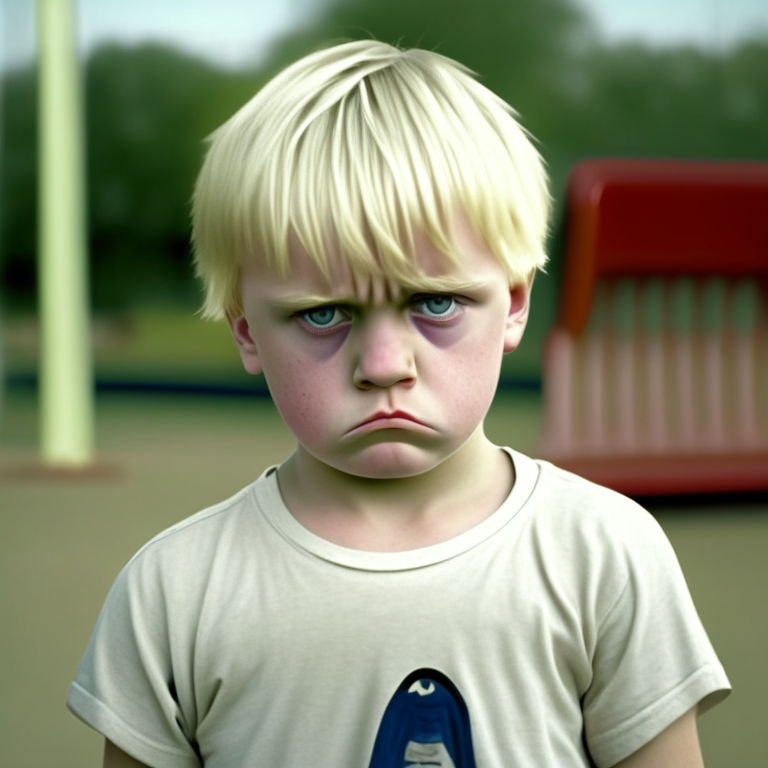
x,y
66,377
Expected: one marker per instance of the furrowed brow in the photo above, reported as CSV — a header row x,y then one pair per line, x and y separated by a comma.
x,y
296,302
444,285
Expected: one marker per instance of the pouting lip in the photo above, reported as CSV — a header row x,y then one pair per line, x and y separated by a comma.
x,y
393,415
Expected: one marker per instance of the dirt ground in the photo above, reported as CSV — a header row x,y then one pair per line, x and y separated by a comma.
x,y
164,457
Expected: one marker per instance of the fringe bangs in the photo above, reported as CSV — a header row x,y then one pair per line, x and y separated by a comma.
x,y
355,149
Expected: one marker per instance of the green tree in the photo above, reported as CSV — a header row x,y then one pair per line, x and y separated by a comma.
x,y
148,111
18,189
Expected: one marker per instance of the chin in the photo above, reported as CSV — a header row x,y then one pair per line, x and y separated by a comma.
x,y
390,461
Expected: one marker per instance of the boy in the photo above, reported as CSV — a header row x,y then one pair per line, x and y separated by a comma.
x,y
399,591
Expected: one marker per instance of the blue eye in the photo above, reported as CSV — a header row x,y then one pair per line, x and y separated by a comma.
x,y
437,306
322,317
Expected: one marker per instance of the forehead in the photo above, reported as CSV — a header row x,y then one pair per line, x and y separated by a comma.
x,y
472,266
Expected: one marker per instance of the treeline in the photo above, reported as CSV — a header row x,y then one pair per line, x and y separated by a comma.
x,y
149,108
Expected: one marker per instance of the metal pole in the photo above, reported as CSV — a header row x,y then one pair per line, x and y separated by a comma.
x,y
66,377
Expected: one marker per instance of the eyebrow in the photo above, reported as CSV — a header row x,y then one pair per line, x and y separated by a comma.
x,y
297,301
293,302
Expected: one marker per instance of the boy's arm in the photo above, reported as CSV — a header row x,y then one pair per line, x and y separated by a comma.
x,y
677,745
114,757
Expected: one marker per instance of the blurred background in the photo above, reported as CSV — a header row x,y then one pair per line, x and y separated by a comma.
x,y
634,78
686,79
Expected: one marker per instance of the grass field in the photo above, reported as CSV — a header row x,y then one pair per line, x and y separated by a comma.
x,y
164,457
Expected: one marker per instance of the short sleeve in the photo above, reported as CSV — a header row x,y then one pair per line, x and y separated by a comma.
x,y
126,686
653,660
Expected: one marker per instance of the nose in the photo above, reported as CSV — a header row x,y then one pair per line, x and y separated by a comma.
x,y
385,354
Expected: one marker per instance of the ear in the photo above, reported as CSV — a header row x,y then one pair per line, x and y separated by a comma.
x,y
520,296
246,346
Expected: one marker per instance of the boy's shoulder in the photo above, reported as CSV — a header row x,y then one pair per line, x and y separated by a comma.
x,y
200,523
570,496
596,521
198,539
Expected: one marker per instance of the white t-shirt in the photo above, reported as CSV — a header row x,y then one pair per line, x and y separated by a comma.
x,y
557,629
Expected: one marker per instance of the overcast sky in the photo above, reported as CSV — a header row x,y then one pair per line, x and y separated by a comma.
x,y
237,32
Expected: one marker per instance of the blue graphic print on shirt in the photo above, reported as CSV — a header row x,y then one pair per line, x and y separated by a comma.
x,y
426,723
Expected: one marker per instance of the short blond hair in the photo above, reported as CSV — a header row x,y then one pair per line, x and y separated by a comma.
x,y
354,148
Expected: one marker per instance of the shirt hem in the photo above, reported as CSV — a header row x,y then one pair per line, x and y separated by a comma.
x,y
94,713
707,686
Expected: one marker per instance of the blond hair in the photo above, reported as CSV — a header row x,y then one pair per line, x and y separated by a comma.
x,y
355,147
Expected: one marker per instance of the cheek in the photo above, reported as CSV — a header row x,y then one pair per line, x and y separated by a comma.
x,y
467,373
305,393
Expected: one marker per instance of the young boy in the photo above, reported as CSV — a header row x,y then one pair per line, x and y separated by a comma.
x,y
399,591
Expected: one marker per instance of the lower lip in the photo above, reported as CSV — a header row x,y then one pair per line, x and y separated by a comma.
x,y
396,422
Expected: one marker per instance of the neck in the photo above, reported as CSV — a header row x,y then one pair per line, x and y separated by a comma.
x,y
397,513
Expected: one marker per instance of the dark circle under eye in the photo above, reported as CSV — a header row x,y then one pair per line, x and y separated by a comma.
x,y
437,305
321,316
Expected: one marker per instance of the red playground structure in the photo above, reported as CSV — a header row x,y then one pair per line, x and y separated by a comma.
x,y
656,375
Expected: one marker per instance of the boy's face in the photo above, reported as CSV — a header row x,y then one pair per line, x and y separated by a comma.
x,y
372,379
